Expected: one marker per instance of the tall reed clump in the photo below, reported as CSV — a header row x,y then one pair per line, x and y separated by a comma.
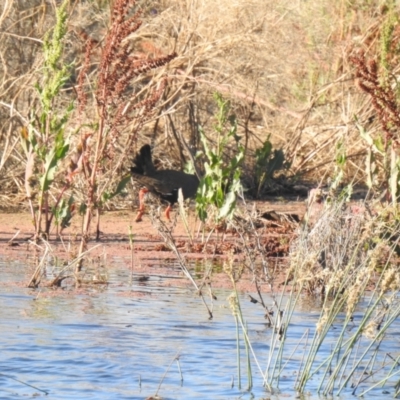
x,y
234,272
44,140
348,258
102,149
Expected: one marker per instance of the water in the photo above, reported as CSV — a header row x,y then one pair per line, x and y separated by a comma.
x,y
118,342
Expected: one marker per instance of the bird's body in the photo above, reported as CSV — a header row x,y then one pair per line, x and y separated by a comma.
x,y
164,183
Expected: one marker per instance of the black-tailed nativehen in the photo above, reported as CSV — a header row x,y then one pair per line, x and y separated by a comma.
x,y
164,183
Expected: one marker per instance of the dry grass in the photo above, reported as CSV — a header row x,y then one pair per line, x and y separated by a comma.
x,y
284,65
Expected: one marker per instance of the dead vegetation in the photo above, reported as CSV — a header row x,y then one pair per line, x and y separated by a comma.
x,y
284,66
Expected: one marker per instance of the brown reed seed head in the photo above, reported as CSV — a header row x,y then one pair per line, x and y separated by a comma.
x,y
382,94
118,104
118,66
120,9
82,96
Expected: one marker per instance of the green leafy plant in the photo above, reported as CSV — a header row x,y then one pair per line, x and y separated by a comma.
x,y
99,149
44,140
337,189
268,161
63,213
221,182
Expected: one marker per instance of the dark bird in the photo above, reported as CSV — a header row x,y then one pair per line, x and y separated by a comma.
x,y
164,183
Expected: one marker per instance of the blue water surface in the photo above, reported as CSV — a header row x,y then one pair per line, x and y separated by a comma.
x,y
131,340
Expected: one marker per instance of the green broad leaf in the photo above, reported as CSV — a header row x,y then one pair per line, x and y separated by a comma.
x,y
379,145
121,185
70,107
105,196
82,208
364,134
233,121
201,191
369,170
50,167
263,154
207,168
202,213
61,152
38,88
228,206
237,159
235,185
43,121
341,160
219,196
278,160
34,143
214,159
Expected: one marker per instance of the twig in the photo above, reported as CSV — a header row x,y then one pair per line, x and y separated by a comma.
x,y
24,383
165,373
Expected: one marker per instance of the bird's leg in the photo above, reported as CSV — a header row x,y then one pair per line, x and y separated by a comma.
x,y
167,211
142,193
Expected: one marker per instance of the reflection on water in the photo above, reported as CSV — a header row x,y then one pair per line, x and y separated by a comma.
x,y
117,342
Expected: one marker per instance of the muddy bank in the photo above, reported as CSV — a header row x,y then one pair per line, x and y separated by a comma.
x,y
150,254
